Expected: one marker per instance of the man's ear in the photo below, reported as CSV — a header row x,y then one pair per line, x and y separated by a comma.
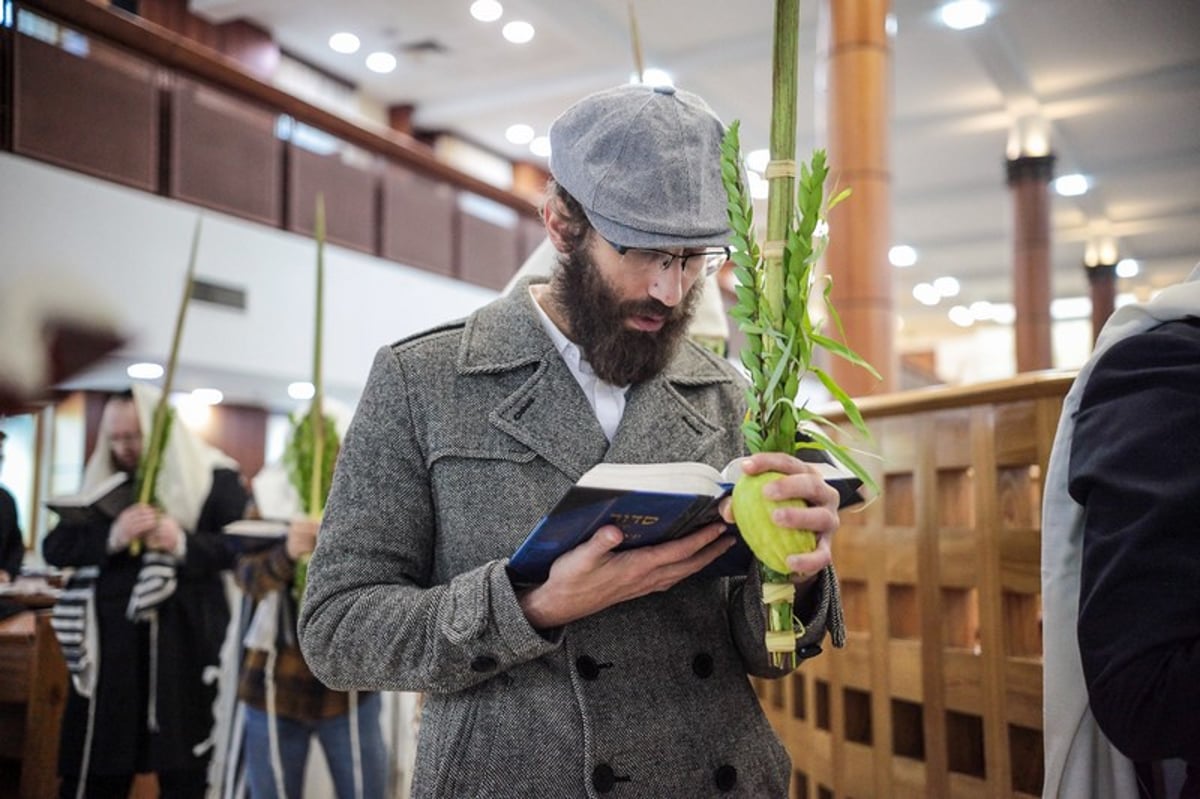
x,y
556,226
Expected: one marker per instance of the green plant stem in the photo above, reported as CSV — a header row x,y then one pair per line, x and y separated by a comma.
x,y
781,188
316,496
780,619
157,441
316,486
780,192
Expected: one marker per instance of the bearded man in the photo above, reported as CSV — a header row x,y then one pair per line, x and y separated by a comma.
x,y
144,662
625,672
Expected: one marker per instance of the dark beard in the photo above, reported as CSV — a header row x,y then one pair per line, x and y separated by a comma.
x,y
617,354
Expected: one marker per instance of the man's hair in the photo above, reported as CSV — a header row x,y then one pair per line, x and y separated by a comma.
x,y
562,203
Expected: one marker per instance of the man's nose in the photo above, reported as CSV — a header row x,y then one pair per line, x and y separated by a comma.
x,y
669,285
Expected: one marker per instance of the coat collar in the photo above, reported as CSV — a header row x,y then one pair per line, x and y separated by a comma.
x,y
548,412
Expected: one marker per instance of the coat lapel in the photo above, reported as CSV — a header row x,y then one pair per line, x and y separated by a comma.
x,y
549,414
660,425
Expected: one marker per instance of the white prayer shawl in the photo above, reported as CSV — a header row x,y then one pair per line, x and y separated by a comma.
x,y
1080,761
185,476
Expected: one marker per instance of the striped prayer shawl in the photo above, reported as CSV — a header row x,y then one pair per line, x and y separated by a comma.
x,y
74,622
156,582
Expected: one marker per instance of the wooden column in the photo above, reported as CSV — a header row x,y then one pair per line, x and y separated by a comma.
x,y
1102,284
400,118
1029,180
860,63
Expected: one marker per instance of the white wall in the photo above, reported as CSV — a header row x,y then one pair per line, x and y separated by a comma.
x,y
132,248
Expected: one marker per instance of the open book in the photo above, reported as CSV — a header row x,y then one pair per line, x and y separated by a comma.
x,y
103,502
651,503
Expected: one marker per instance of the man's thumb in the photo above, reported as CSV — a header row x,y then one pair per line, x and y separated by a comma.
x,y
607,538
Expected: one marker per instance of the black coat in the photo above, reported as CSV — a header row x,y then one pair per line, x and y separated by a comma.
x,y
1134,470
191,629
12,546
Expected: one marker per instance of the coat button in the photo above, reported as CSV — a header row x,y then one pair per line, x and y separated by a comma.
x,y
809,651
725,777
588,668
702,665
603,778
483,663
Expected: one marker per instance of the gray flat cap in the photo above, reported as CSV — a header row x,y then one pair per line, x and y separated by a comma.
x,y
645,164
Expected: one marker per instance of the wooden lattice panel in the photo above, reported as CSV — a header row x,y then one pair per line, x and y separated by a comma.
x,y
938,691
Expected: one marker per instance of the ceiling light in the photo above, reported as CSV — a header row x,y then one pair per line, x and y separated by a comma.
x,y
144,371
926,294
486,10
208,396
540,146
902,255
519,134
981,310
346,43
946,286
657,77
518,32
757,160
1004,313
963,14
1071,185
195,414
381,62
961,316
1127,267
301,391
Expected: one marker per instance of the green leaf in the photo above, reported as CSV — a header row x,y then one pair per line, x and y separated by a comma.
x,y
777,372
844,456
744,276
848,406
842,351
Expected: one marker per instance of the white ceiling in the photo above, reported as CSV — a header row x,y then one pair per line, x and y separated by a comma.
x,y
1115,82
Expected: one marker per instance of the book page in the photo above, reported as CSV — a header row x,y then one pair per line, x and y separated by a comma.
x,y
668,478
97,492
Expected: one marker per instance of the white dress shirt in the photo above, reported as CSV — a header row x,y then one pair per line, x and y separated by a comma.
x,y
607,400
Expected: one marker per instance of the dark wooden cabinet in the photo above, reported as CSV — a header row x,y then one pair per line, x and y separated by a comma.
x,y
33,690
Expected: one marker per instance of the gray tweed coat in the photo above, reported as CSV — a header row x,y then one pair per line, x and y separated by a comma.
x,y
463,437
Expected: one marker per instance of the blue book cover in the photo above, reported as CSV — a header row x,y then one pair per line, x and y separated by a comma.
x,y
646,517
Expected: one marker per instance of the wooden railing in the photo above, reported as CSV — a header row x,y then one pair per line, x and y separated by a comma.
x,y
939,689
109,94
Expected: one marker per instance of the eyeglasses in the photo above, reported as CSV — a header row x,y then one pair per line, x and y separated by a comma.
x,y
694,264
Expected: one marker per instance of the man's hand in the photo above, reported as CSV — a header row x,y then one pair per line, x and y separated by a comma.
x,y
132,524
821,516
167,536
301,537
592,577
